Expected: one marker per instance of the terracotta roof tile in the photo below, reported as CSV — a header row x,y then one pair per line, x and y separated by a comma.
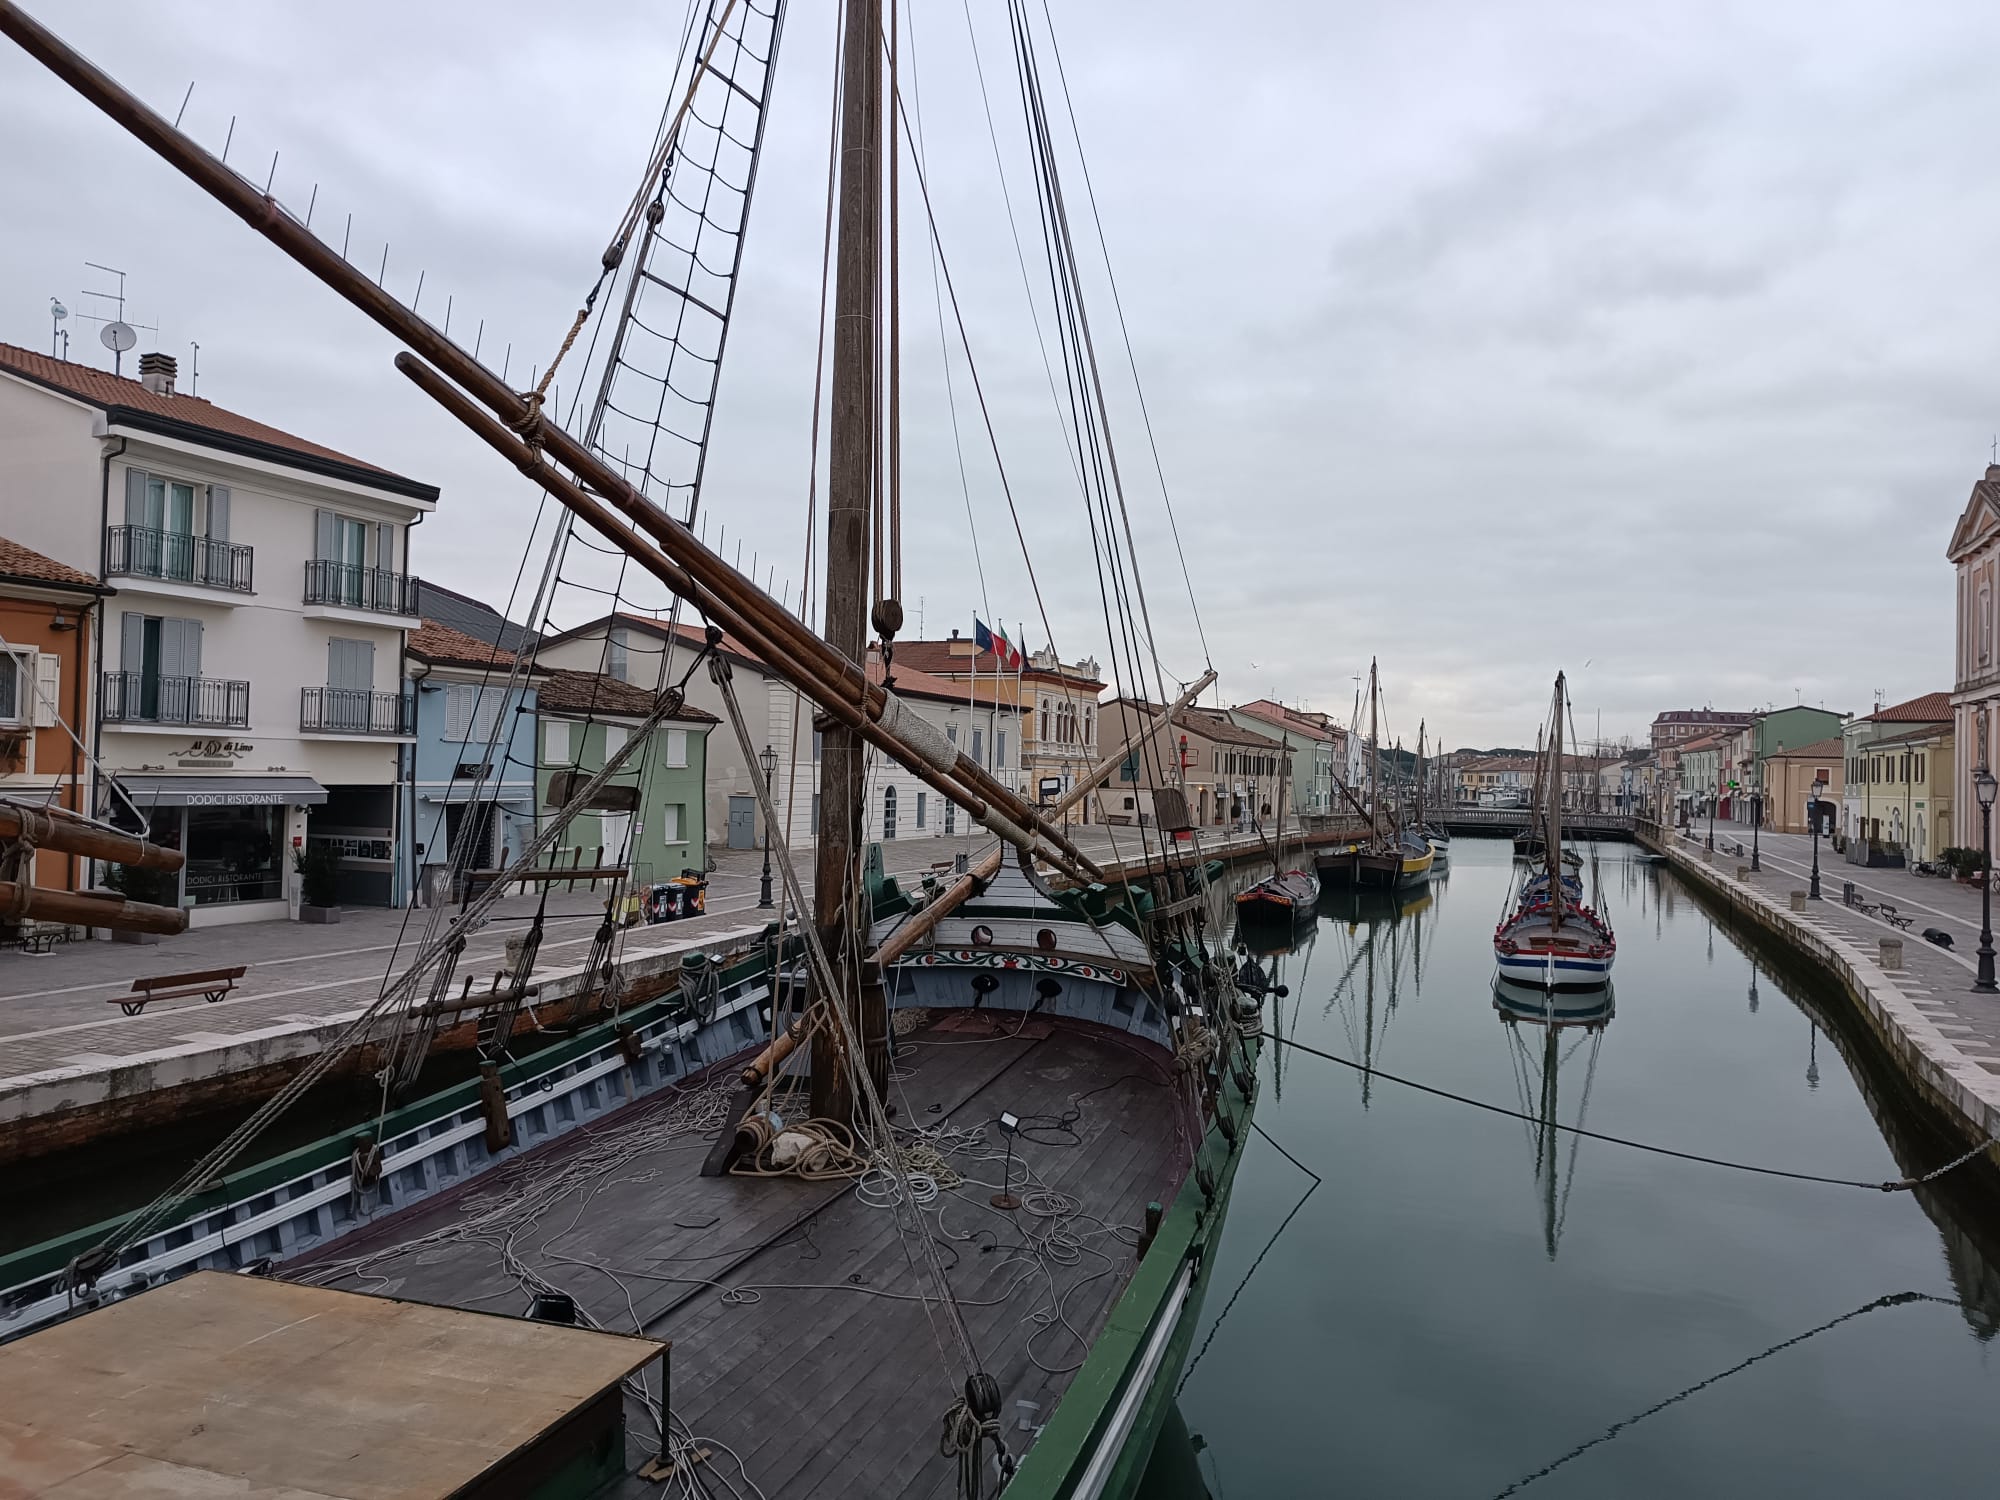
x,y
433,642
1931,708
1818,750
103,389
595,693
17,561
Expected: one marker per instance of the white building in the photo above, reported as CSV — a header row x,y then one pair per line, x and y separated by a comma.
x,y
1975,697
250,698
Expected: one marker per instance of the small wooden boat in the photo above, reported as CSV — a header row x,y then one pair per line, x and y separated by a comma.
x,y
1288,896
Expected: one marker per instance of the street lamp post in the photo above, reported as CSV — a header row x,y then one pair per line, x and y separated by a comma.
x,y
1818,786
1713,798
1756,822
769,761
1984,784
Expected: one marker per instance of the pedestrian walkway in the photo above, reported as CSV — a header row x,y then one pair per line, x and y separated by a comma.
x,y
65,1043
1944,1033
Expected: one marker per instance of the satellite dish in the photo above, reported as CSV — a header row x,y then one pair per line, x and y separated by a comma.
x,y
57,310
118,337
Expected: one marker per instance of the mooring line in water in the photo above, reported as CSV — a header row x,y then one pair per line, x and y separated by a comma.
x,y
1898,1185
1188,1373
1894,1299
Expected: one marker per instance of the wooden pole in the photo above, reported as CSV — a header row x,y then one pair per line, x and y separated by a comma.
x,y
838,897
71,835
89,909
264,214
830,697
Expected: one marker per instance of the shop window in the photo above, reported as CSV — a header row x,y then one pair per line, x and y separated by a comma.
x,y
233,855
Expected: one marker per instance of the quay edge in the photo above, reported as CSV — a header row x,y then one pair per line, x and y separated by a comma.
x,y
1963,1091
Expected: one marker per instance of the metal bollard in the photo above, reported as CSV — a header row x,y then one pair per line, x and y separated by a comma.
x,y
1798,900
1890,952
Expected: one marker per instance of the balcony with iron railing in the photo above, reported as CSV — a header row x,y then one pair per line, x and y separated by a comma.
x,y
330,710
178,557
350,586
198,702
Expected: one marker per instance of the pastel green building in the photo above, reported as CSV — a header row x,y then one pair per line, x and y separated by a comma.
x,y
651,816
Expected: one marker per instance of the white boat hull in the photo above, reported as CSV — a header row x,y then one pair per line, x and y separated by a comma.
x,y
1555,971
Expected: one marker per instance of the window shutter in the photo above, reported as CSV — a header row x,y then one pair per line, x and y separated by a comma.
x,y
218,512
670,821
457,712
677,747
171,649
385,546
131,641
48,689
323,535
135,497
486,714
555,744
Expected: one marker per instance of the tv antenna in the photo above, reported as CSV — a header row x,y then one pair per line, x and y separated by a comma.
x,y
58,335
117,335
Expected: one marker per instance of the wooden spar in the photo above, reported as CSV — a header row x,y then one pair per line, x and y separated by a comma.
x,y
947,901
793,643
838,896
62,831
88,909
835,701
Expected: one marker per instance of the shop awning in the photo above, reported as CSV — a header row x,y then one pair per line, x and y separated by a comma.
x,y
223,791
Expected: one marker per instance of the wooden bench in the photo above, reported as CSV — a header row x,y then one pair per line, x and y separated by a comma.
x,y
210,984
1890,915
41,937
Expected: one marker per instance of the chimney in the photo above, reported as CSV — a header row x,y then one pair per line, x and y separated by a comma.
x,y
156,373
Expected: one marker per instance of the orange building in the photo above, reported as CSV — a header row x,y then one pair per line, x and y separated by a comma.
x,y
48,618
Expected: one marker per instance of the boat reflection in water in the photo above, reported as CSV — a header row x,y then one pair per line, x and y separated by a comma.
x,y
1526,1010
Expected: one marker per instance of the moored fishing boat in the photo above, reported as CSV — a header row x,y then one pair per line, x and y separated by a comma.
x,y
1552,939
1288,896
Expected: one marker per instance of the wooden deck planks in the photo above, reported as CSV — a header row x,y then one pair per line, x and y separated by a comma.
x,y
828,1392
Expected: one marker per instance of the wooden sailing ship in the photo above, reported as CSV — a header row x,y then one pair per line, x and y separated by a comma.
x,y
1067,1069
1551,939
1394,855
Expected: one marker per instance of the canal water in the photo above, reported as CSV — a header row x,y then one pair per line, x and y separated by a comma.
x,y
1464,1307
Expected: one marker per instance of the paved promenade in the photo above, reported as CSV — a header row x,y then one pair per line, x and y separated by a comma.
x,y
1945,1034
58,1019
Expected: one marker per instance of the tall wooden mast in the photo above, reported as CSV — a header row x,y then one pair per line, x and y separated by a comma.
x,y
838,898
1555,836
1374,759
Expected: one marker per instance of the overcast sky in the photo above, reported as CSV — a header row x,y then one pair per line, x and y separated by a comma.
x,y
1650,341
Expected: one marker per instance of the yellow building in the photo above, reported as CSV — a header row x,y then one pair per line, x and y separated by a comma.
x,y
1788,782
1905,796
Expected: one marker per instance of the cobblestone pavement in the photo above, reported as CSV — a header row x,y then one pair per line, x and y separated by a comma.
x,y
1937,980
58,1011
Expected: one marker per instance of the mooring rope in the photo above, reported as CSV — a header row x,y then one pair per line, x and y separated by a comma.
x,y
1897,1185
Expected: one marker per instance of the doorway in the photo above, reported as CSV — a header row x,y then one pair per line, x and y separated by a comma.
x,y
742,821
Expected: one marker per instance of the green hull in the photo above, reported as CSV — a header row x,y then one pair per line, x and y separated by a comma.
x,y
1101,1437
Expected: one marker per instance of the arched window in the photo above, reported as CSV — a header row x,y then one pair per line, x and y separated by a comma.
x,y
888,812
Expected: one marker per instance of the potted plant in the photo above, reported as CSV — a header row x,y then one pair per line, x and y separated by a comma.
x,y
318,866
147,887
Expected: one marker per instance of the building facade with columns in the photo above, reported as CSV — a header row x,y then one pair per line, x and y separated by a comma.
x,y
1974,551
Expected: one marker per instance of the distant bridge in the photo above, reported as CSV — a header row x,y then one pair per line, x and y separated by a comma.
x,y
1506,821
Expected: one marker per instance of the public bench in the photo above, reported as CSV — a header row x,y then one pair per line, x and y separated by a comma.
x,y
1890,915
210,984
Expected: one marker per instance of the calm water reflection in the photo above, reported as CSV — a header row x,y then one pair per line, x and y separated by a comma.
x,y
1468,1298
